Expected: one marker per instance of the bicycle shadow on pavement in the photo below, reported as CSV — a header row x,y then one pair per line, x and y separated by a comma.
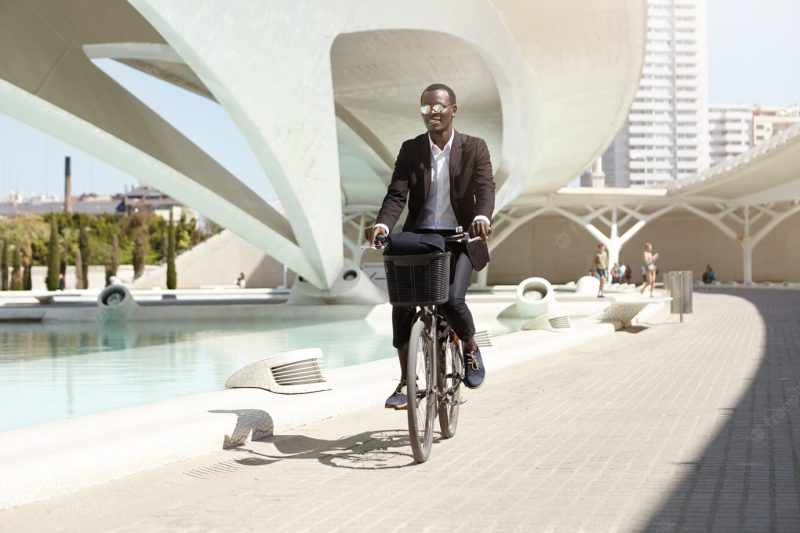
x,y
370,450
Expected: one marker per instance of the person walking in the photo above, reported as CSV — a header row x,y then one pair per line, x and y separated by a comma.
x,y
446,178
600,265
649,266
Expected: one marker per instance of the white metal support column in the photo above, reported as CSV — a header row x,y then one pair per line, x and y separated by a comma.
x,y
743,225
506,223
614,241
747,248
749,241
357,220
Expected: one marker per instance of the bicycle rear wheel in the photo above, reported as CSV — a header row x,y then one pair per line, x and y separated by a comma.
x,y
453,373
422,390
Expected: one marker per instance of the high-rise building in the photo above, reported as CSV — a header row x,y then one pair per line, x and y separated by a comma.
x,y
731,130
666,134
737,128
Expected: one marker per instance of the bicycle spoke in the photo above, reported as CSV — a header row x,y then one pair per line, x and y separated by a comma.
x,y
452,360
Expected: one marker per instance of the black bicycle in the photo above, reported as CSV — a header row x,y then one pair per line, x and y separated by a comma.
x,y
435,354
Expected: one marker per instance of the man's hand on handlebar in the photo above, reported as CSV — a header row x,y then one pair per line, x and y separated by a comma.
x,y
370,234
479,228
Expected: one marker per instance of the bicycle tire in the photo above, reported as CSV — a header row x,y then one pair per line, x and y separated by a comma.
x,y
421,392
453,373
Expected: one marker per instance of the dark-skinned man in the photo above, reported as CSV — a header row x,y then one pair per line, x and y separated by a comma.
x,y
446,176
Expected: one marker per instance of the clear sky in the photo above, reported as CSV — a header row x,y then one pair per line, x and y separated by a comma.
x,y
753,51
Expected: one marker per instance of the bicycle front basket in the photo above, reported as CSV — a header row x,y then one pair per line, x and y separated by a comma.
x,y
417,279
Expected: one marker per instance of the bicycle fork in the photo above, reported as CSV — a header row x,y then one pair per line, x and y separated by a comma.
x,y
445,348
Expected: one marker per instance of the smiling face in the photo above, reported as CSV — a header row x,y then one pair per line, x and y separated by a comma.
x,y
438,123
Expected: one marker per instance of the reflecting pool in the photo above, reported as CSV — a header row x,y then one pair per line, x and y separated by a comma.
x,y
54,371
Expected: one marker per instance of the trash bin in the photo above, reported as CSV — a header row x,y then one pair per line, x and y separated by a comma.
x,y
679,286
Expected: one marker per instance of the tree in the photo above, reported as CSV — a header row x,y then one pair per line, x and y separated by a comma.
x,y
65,254
140,246
27,265
16,272
79,282
172,275
53,256
113,259
4,264
85,251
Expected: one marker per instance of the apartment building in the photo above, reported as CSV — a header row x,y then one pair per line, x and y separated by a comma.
x,y
771,120
731,130
666,135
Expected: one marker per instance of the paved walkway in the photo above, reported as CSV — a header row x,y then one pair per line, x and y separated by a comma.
x,y
682,427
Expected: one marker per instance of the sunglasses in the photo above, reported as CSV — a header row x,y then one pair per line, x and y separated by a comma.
x,y
435,108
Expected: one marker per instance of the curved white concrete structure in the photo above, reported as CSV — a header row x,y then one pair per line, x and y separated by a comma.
x,y
115,302
324,92
745,197
535,297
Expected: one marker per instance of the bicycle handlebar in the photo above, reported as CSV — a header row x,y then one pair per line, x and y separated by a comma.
x,y
463,237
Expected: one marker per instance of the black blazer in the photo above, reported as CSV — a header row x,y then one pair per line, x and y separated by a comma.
x,y
471,186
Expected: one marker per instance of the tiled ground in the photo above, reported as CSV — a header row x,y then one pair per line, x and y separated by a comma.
x,y
681,427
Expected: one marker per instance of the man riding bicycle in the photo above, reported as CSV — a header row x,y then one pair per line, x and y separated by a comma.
x,y
447,178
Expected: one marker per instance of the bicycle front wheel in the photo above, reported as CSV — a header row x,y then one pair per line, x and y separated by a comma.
x,y
421,388
453,373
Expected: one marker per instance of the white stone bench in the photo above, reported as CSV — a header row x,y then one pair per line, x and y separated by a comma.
x,y
624,310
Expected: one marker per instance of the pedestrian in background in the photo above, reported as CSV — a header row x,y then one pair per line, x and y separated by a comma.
x,y
600,265
628,274
649,267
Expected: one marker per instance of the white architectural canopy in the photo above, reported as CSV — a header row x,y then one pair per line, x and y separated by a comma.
x,y
324,93
745,197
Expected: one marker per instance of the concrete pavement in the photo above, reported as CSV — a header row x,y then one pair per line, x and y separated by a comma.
x,y
683,427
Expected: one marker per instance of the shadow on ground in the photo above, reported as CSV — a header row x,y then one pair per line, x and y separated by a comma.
x,y
748,477
370,450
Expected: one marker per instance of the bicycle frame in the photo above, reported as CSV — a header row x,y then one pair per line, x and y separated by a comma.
x,y
433,320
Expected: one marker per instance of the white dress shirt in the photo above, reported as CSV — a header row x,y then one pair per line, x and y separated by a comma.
x,y
438,212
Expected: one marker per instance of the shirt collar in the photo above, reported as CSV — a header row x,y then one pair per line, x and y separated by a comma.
x,y
446,146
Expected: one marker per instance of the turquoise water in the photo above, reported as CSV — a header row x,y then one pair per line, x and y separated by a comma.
x,y
59,371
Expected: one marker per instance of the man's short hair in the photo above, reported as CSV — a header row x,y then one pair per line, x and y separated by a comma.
x,y
440,87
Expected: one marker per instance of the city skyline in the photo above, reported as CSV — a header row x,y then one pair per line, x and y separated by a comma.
x,y
744,68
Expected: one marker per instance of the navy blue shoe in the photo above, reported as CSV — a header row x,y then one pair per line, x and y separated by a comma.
x,y
397,400
474,371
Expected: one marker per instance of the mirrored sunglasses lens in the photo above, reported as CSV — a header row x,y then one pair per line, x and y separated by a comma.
x,y
438,108
425,110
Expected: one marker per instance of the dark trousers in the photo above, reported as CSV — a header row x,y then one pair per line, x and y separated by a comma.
x,y
455,309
